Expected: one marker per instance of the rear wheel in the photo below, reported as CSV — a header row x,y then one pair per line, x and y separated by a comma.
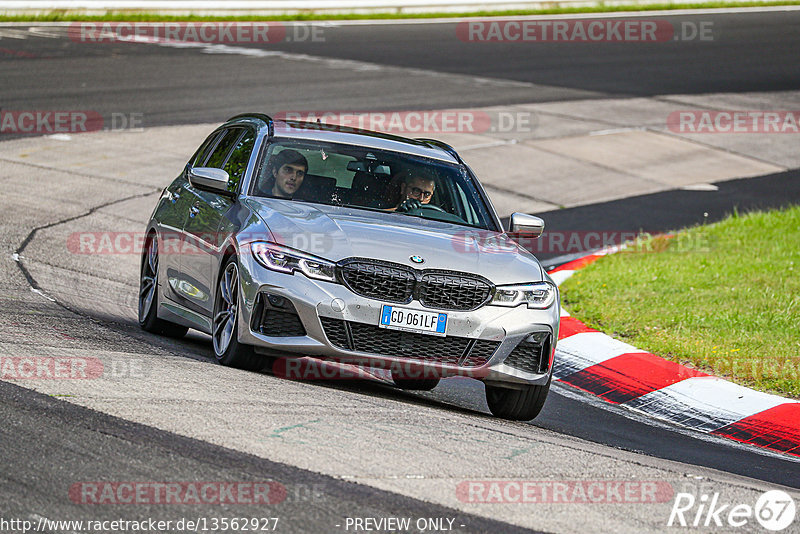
x,y
224,334
517,404
148,294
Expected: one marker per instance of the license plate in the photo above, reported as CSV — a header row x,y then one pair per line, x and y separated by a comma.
x,y
422,322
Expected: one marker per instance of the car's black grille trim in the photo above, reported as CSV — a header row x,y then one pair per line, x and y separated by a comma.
x,y
481,352
466,352
281,324
379,280
371,339
275,321
349,333
396,283
453,291
337,333
530,357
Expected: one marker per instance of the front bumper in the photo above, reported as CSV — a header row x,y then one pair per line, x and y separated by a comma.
x,y
316,301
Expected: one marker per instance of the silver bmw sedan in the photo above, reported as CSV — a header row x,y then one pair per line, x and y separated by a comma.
x,y
286,240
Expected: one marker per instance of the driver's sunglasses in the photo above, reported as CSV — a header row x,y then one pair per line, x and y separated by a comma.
x,y
417,192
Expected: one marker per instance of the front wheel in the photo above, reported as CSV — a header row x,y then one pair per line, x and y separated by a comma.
x,y
148,294
517,404
227,349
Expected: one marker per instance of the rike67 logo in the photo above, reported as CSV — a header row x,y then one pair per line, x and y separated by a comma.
x,y
774,510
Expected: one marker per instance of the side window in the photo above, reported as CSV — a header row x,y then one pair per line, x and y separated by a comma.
x,y
238,159
204,150
223,148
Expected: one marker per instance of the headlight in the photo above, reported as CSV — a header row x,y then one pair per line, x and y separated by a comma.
x,y
538,295
287,260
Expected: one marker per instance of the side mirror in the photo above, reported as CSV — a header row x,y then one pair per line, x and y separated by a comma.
x,y
530,225
210,179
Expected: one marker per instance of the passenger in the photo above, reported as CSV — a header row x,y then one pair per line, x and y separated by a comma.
x,y
287,169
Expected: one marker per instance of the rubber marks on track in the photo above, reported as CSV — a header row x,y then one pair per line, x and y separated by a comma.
x,y
776,428
624,375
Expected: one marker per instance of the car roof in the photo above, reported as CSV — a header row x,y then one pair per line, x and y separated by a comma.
x,y
289,129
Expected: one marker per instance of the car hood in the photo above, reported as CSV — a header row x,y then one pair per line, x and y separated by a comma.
x,y
335,233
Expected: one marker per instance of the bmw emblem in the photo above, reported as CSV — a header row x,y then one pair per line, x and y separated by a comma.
x,y
417,259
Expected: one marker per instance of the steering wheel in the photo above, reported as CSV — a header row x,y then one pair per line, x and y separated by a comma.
x,y
433,207
445,216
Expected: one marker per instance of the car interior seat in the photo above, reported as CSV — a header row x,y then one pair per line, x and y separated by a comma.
x,y
316,189
370,190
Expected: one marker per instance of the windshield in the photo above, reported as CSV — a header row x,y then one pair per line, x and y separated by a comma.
x,y
365,178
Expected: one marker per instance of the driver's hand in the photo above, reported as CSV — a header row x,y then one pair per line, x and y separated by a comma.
x,y
409,204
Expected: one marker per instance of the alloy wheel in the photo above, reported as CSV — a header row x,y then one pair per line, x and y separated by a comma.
x,y
149,279
225,309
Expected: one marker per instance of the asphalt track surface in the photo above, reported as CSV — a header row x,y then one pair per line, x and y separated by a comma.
x,y
756,52
46,434
54,441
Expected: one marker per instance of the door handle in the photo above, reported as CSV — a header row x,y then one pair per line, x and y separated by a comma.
x,y
194,210
173,197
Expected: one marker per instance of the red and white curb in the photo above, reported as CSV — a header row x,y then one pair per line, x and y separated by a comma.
x,y
624,375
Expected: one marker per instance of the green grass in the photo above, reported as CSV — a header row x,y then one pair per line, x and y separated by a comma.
x,y
133,16
723,298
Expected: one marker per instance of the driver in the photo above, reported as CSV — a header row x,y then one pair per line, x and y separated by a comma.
x,y
287,169
415,190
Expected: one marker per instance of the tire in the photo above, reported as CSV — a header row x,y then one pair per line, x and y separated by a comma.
x,y
517,404
224,327
148,294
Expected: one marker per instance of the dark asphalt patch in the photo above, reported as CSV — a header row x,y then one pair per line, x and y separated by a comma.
x,y
660,212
